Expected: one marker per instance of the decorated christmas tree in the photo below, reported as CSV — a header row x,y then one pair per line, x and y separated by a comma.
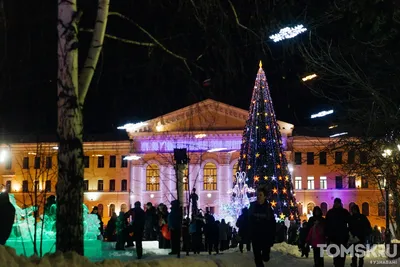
x,y
262,158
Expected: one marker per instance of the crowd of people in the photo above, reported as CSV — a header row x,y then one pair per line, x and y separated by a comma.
x,y
255,230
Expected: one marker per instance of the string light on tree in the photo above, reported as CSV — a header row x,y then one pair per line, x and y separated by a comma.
x,y
288,33
261,153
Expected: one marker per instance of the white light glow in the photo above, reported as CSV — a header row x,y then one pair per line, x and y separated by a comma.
x,y
132,157
152,196
232,151
97,155
333,126
3,190
309,77
216,150
16,187
3,155
338,134
290,166
55,147
131,127
159,127
209,195
200,136
398,147
288,33
321,114
31,153
387,153
92,196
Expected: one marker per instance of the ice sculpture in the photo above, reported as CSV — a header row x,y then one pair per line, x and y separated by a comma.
x,y
23,228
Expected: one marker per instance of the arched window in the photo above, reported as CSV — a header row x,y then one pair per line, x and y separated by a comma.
x,y
300,208
100,209
210,177
234,171
124,208
310,207
365,209
324,208
152,178
111,210
381,209
351,204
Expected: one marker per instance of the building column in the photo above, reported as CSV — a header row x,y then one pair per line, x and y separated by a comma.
x,y
224,178
166,183
136,182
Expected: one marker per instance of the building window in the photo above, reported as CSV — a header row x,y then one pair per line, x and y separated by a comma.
x,y
365,209
297,158
210,210
339,182
210,177
25,163
100,162
338,157
86,185
8,186
310,182
363,157
351,157
152,178
381,209
8,163
323,182
112,185
322,158
297,183
113,161
324,208
100,209
124,185
124,162
310,158
86,161
47,186
186,179
352,182
111,210
100,185
49,163
364,182
25,186
37,163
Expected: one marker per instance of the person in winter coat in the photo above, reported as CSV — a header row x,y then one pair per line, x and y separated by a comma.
x,y
211,233
151,222
336,229
359,227
138,221
223,235
121,231
303,246
244,232
262,227
162,220
174,224
111,228
7,217
185,236
316,235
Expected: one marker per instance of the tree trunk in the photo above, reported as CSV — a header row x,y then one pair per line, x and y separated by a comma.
x,y
71,96
69,219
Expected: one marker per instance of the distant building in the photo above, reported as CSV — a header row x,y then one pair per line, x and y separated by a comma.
x,y
113,184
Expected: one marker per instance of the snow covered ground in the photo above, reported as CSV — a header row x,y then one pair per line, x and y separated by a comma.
x,y
282,255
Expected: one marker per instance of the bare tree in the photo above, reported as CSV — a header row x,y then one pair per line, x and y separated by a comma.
x,y
36,188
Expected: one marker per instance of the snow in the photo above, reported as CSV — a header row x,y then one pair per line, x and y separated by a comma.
x,y
282,255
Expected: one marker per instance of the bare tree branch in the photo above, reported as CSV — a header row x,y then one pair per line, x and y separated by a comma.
x,y
123,40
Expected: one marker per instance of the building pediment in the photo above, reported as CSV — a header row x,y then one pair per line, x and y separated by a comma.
x,y
205,116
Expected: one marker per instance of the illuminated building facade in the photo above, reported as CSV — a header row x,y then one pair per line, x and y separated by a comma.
x,y
211,132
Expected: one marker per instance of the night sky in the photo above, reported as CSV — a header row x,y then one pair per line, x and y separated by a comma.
x,y
134,83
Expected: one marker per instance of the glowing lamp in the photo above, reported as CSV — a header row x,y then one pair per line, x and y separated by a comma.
x,y
209,195
151,195
132,157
